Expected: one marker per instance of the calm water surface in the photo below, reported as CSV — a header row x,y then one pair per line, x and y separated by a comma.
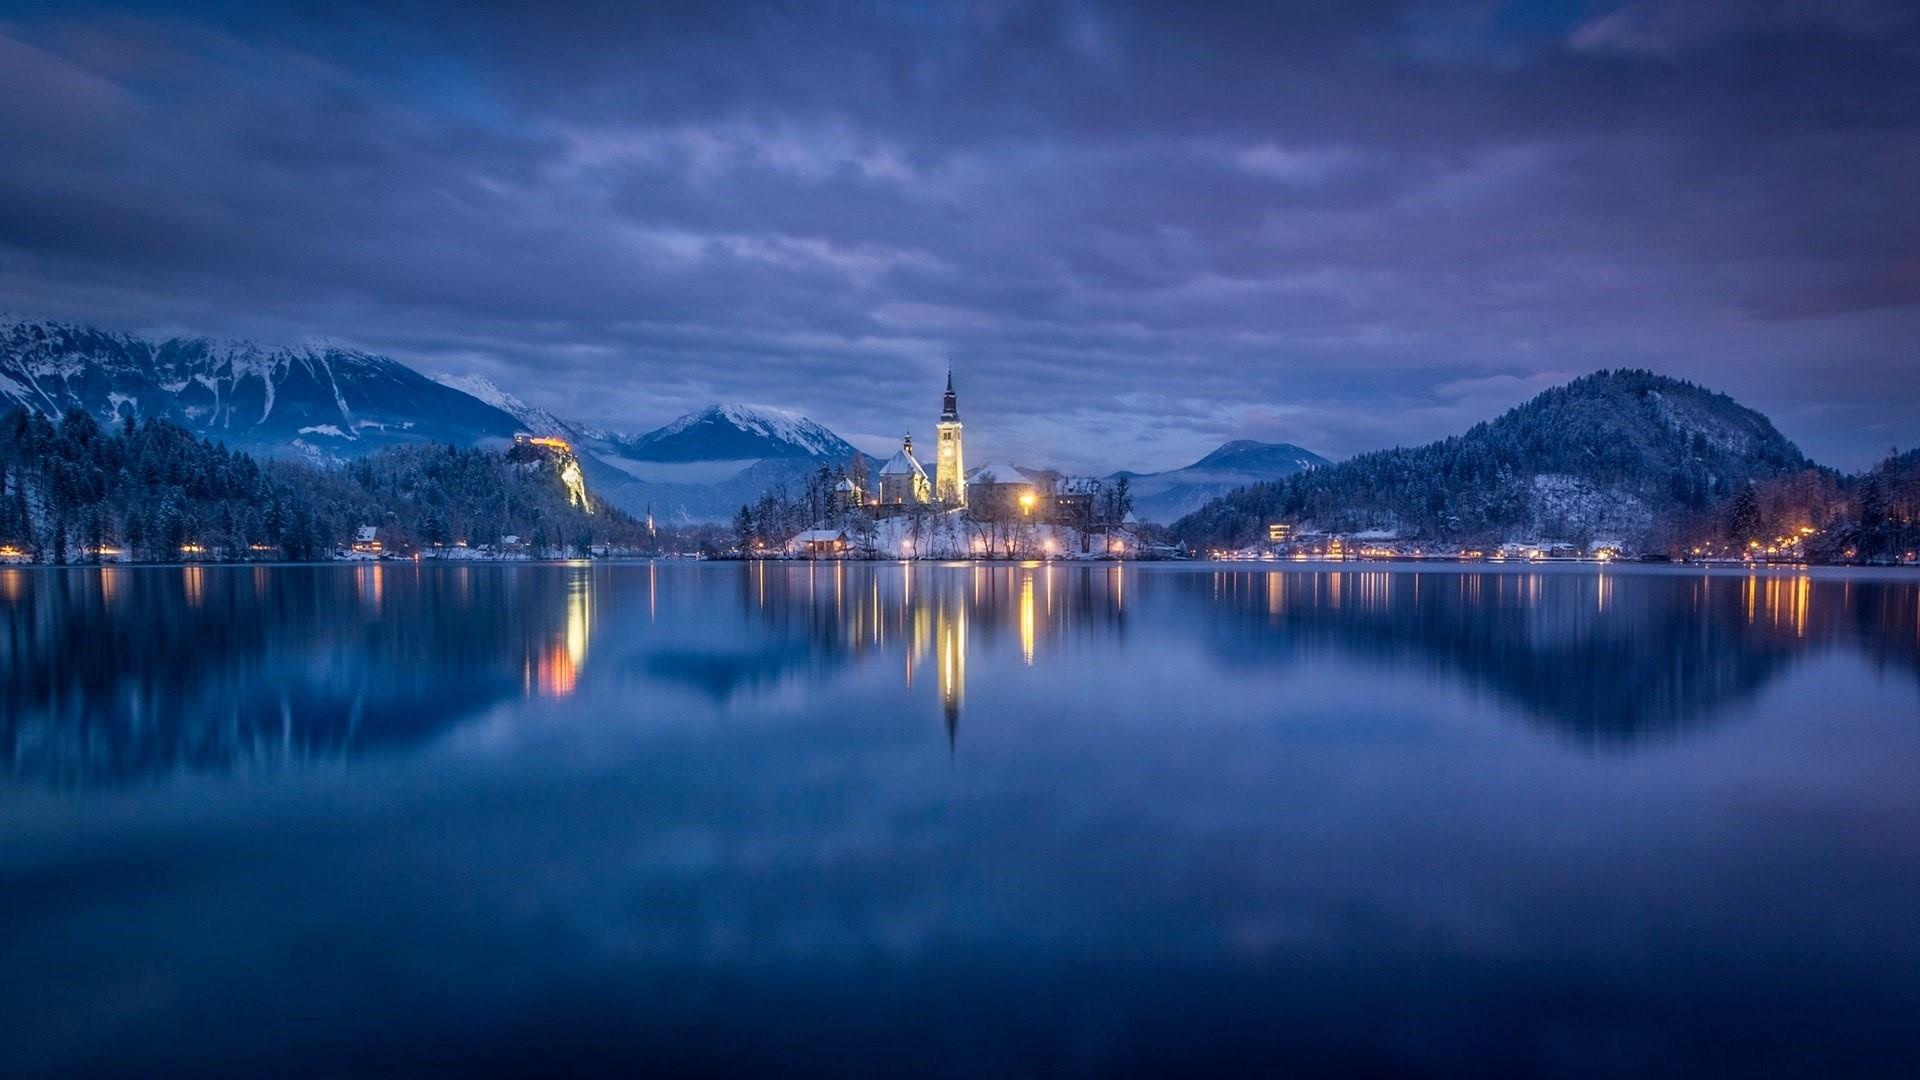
x,y
958,820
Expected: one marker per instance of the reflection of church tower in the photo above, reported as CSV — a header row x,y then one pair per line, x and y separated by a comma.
x,y
950,643
950,467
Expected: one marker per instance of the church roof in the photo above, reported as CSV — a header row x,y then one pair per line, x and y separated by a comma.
x,y
902,464
999,473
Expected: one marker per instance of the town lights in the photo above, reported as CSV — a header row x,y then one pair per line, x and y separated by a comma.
x,y
1026,501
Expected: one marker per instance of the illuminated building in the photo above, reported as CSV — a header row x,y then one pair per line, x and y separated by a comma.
x,y
818,543
950,470
847,495
902,480
571,475
1007,492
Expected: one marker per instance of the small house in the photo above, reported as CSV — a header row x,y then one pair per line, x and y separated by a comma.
x,y
820,543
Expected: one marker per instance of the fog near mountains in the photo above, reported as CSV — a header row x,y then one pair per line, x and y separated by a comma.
x,y
1138,230
1166,497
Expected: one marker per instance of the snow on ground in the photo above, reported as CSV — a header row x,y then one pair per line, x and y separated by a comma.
x,y
1567,504
949,535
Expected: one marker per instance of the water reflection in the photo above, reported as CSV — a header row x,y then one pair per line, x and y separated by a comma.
x,y
951,632
1087,819
552,668
107,674
112,673
1605,658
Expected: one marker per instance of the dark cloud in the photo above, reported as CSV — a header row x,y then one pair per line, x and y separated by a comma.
x,y
1135,229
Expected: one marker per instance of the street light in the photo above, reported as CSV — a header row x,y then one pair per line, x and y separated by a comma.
x,y
1026,502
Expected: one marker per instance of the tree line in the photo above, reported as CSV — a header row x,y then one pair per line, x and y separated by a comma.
x,y
996,526
149,490
1868,518
1672,447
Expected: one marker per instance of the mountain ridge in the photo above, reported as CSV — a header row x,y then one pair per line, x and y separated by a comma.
x,y
1167,496
737,432
322,401
1623,454
326,402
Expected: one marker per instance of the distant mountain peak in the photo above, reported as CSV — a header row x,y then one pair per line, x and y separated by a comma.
x,y
317,399
536,420
732,432
1616,454
1166,496
1265,457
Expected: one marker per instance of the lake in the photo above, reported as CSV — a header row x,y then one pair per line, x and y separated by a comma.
x,y
959,820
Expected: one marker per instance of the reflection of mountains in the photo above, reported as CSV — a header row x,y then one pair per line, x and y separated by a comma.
x,y
109,674
1606,657
1603,656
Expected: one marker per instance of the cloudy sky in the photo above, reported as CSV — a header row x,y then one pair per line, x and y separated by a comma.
x,y
1135,230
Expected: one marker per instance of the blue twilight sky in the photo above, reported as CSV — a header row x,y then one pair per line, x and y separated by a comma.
x,y
1136,229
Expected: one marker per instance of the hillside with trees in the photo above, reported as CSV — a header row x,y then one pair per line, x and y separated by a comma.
x,y
1870,518
1621,454
154,491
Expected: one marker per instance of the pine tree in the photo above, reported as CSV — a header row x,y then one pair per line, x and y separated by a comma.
x,y
1743,517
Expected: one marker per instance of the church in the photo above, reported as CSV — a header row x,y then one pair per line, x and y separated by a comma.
x,y
904,481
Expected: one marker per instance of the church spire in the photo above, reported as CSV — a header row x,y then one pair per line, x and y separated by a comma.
x,y
950,469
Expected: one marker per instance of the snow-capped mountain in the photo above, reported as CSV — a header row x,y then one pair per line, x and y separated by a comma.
x,y
704,465
1167,496
332,403
738,433
533,419
322,401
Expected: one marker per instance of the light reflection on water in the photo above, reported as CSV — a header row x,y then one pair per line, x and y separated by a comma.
x,y
1331,818
117,672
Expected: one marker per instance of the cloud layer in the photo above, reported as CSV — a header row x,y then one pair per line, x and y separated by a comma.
x,y
1134,230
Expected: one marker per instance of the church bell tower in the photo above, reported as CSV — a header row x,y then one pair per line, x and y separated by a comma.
x,y
950,468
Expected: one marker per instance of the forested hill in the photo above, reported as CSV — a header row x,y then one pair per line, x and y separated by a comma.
x,y
152,490
1618,454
